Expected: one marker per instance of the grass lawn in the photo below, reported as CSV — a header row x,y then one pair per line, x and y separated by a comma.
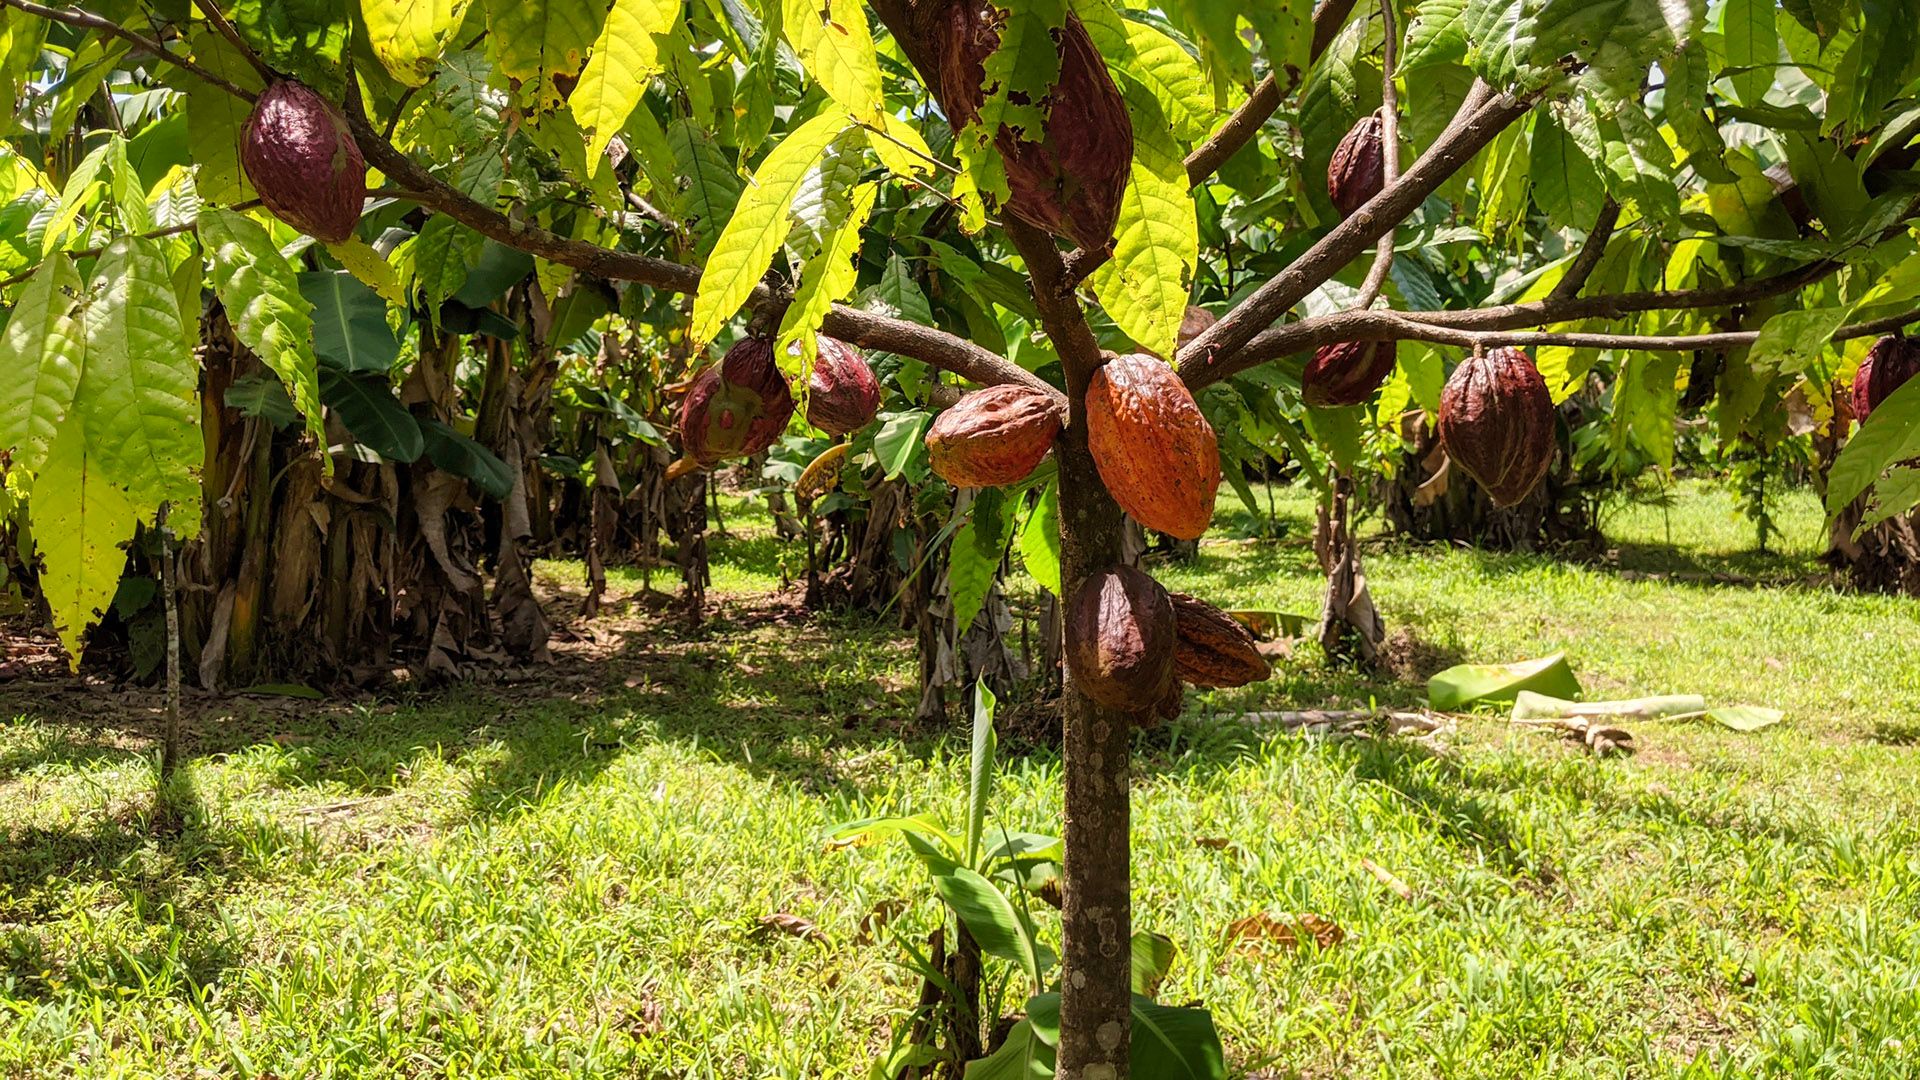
x,y
562,874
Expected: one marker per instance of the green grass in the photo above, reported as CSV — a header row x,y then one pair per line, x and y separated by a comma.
x,y
562,877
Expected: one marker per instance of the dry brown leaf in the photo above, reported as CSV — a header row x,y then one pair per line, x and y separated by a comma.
x,y
877,918
791,925
1288,930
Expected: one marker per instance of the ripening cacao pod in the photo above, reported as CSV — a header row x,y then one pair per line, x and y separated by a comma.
x,y
1359,167
1154,449
1120,639
303,162
1170,703
737,407
1496,421
1889,364
993,436
842,394
1347,372
1213,650
1068,177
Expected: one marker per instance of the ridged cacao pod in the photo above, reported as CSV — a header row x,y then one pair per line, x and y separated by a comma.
x,y
1496,421
1889,364
993,436
303,162
1067,178
1120,639
737,407
842,394
1347,372
1153,447
1213,650
1359,167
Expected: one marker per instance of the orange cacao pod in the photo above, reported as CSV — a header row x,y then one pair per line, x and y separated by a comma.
x,y
737,407
1154,449
302,161
842,394
1120,639
1214,650
1888,365
1347,372
1496,421
1068,177
1359,167
993,436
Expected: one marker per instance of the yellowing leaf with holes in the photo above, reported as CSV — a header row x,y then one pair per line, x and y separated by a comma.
x,y
139,388
80,518
829,276
261,293
409,35
624,60
40,358
760,223
532,41
1157,242
834,43
373,270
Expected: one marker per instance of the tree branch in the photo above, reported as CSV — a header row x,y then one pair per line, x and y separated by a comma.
x,y
89,21
1482,116
1596,245
226,30
1329,16
1233,135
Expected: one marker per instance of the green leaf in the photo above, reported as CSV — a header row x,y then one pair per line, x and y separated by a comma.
x,y
371,268
409,35
1437,35
827,278
139,390
376,420
80,518
760,224
1001,929
1153,956
1175,1043
350,330
712,187
1565,183
1469,684
262,296
833,41
1890,435
1161,66
978,548
535,41
1745,717
41,356
440,256
980,767
1146,284
261,394
624,60
1024,1056
896,443
1040,540
1751,41
461,456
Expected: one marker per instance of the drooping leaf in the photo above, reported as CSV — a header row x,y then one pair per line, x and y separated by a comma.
x,y
350,330
41,355
372,415
537,41
270,316
1040,540
1891,434
760,223
80,518
834,42
1001,929
827,278
1146,285
625,58
978,548
460,455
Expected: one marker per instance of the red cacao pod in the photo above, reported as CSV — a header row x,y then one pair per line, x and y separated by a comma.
x,y
1067,178
737,407
1154,449
993,436
1213,650
303,162
1347,372
1888,365
842,394
1496,421
1359,167
1120,639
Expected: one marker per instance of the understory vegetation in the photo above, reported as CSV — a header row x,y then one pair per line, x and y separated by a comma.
x,y
564,871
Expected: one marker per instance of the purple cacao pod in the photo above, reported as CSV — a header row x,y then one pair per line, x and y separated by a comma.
x,y
1347,372
303,162
842,394
1496,421
1889,364
737,407
1121,639
1068,177
1359,167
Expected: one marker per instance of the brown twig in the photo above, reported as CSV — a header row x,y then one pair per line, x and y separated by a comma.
x,y
211,9
1583,264
88,21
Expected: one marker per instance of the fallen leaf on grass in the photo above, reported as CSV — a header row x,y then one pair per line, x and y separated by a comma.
x,y
792,926
1287,929
877,918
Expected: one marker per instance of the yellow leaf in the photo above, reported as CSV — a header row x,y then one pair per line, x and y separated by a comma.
x,y
80,519
834,43
624,60
409,35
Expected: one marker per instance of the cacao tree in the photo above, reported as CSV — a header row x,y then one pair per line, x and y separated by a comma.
x,y
1015,198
